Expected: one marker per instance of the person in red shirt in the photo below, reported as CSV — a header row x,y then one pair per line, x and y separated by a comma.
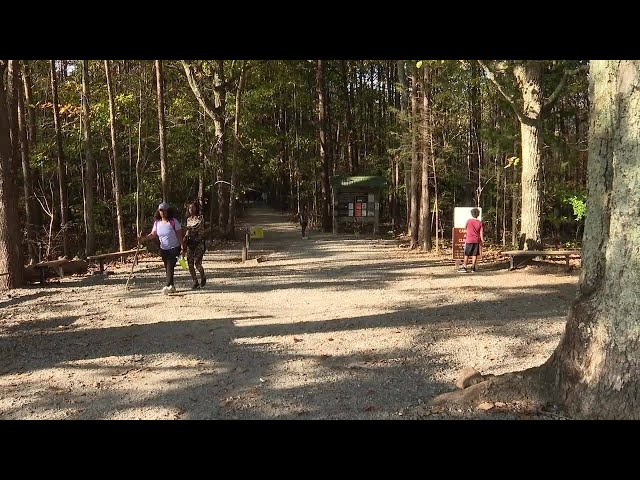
x,y
473,240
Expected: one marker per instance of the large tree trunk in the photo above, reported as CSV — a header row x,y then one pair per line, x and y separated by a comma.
x,y
596,365
215,110
234,156
26,180
475,118
117,182
395,161
138,156
402,80
220,154
324,145
425,205
11,268
90,169
415,160
531,203
202,171
515,187
162,133
220,126
62,181
436,208
594,373
528,77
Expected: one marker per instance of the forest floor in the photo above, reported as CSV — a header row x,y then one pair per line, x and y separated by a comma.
x,y
324,328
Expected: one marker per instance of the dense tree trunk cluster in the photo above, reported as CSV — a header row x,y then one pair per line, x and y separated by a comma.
x,y
96,145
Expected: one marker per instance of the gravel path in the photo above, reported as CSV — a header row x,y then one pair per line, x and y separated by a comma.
x,y
324,328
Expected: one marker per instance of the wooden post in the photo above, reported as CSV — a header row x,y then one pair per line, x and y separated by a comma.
x,y
376,211
334,201
245,247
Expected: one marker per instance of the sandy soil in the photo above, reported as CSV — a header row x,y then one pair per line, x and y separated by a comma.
x,y
323,328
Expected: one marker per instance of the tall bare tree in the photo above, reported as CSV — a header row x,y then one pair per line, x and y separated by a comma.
x,y
325,150
139,153
216,111
26,179
220,128
234,156
30,112
162,132
90,166
347,91
117,182
415,158
425,199
404,106
62,182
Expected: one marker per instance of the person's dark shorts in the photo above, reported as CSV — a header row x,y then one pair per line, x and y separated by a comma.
x,y
471,249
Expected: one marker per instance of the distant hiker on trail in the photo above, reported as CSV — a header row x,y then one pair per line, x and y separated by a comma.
x,y
473,240
171,236
195,240
304,220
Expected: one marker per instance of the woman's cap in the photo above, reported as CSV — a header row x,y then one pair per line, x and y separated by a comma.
x,y
163,206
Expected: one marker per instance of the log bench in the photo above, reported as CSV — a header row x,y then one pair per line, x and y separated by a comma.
x,y
101,259
521,257
53,264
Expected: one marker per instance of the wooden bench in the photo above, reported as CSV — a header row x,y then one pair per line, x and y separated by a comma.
x,y
54,264
529,254
109,256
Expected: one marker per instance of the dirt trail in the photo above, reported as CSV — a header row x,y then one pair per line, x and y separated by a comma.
x,y
329,327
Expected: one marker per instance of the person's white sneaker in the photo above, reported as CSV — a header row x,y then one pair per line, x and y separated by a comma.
x,y
165,290
171,289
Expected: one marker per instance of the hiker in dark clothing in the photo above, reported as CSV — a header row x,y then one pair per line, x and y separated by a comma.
x,y
304,220
195,241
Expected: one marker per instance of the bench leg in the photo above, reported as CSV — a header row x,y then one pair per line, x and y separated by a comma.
x,y
101,266
42,281
60,272
512,267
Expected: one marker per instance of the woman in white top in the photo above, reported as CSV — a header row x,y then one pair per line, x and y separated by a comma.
x,y
171,236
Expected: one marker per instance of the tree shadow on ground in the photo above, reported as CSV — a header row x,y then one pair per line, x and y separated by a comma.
x,y
18,299
247,365
229,367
